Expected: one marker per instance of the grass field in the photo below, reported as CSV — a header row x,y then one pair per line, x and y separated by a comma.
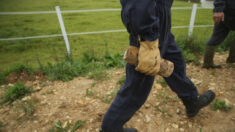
x,y
51,49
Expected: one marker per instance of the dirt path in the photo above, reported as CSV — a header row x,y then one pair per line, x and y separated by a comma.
x,y
86,99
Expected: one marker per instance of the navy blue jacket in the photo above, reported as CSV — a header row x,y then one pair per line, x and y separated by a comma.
x,y
228,7
221,5
145,17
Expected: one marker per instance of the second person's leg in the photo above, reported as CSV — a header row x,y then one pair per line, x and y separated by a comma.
x,y
220,32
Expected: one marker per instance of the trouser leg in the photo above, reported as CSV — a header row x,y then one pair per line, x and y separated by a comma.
x,y
231,57
208,58
178,81
129,99
220,32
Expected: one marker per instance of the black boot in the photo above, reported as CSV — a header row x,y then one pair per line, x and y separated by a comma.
x,y
193,107
208,58
231,57
124,130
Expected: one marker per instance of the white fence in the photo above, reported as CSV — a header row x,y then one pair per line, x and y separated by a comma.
x,y
64,34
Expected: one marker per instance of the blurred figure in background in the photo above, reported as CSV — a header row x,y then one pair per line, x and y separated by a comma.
x,y
224,18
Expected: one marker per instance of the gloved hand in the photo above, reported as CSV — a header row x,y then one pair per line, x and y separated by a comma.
x,y
131,57
149,58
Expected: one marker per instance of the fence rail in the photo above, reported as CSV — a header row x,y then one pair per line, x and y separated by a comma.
x,y
79,11
88,33
194,8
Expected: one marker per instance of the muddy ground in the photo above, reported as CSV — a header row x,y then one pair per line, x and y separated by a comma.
x,y
87,99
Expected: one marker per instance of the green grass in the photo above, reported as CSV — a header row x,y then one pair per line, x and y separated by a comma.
x,y
29,5
70,68
17,68
53,50
48,92
121,80
98,75
162,82
15,92
27,106
109,97
90,92
66,70
67,128
220,105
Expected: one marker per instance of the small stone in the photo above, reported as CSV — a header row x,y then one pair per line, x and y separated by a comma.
x,y
28,83
70,121
182,129
63,98
147,119
91,120
155,92
212,88
26,98
21,115
10,85
195,81
175,126
147,106
157,103
50,114
158,86
221,93
80,102
178,111
190,125
167,130
233,118
118,73
43,103
36,122
46,121
65,124
92,101
38,88
212,84
228,103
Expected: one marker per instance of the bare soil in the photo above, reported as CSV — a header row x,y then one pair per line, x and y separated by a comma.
x,y
162,112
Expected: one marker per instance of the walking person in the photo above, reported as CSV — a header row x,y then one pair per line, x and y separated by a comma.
x,y
149,25
224,18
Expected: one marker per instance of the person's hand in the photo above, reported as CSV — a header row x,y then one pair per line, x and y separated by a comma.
x,y
149,58
218,17
131,57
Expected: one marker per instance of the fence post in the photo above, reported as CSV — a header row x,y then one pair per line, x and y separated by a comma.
x,y
63,29
192,20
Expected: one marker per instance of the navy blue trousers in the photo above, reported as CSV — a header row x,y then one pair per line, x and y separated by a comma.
x,y
220,32
137,86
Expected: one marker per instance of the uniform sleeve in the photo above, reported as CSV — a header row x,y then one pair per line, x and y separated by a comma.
x,y
142,18
219,5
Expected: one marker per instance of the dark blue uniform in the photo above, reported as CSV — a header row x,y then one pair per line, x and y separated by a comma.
x,y
151,19
221,30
